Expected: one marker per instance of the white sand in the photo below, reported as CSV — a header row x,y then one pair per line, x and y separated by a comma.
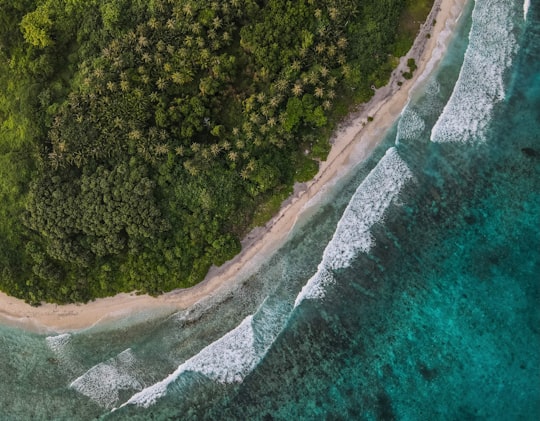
x,y
352,142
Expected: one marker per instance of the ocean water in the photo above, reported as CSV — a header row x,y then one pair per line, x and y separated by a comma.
x,y
410,292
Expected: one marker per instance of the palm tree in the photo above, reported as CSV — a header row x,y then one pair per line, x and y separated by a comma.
x,y
211,33
233,156
171,23
146,58
251,165
319,92
191,168
215,149
153,23
254,117
153,133
274,101
161,84
99,73
181,78
331,50
196,28
205,153
295,66
124,85
313,77
281,85
324,71
134,135
161,149
118,63
342,43
333,12
142,41
297,89
187,9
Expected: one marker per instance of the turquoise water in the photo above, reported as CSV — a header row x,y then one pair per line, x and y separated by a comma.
x,y
411,293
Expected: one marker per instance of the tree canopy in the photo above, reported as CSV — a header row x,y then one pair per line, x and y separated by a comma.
x,y
140,140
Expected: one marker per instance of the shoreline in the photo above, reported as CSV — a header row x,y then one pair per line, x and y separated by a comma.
x,y
352,141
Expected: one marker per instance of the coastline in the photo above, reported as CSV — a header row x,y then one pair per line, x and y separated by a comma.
x,y
352,142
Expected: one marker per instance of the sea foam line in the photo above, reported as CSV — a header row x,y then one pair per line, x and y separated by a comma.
x,y
102,382
232,357
526,5
480,83
65,353
227,360
367,207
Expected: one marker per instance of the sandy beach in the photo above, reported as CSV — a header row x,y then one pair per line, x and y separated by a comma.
x,y
351,143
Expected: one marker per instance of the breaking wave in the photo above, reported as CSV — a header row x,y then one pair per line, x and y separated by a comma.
x,y
103,382
480,85
352,236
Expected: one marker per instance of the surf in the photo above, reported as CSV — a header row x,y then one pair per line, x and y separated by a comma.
x,y
480,85
352,236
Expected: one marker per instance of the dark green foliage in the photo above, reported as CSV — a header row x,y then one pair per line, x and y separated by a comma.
x,y
412,67
140,140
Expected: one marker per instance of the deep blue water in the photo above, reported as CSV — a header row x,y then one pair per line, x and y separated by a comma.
x,y
412,292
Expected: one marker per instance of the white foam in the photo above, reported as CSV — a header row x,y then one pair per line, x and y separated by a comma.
x,y
367,206
227,360
410,125
480,83
58,343
103,382
65,353
526,5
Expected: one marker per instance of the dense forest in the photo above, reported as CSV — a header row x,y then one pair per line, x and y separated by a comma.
x,y
141,139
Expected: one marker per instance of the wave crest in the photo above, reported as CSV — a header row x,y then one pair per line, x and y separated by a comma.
x,y
480,84
352,236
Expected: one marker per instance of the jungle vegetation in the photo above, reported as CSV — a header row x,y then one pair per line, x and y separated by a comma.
x,y
141,139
